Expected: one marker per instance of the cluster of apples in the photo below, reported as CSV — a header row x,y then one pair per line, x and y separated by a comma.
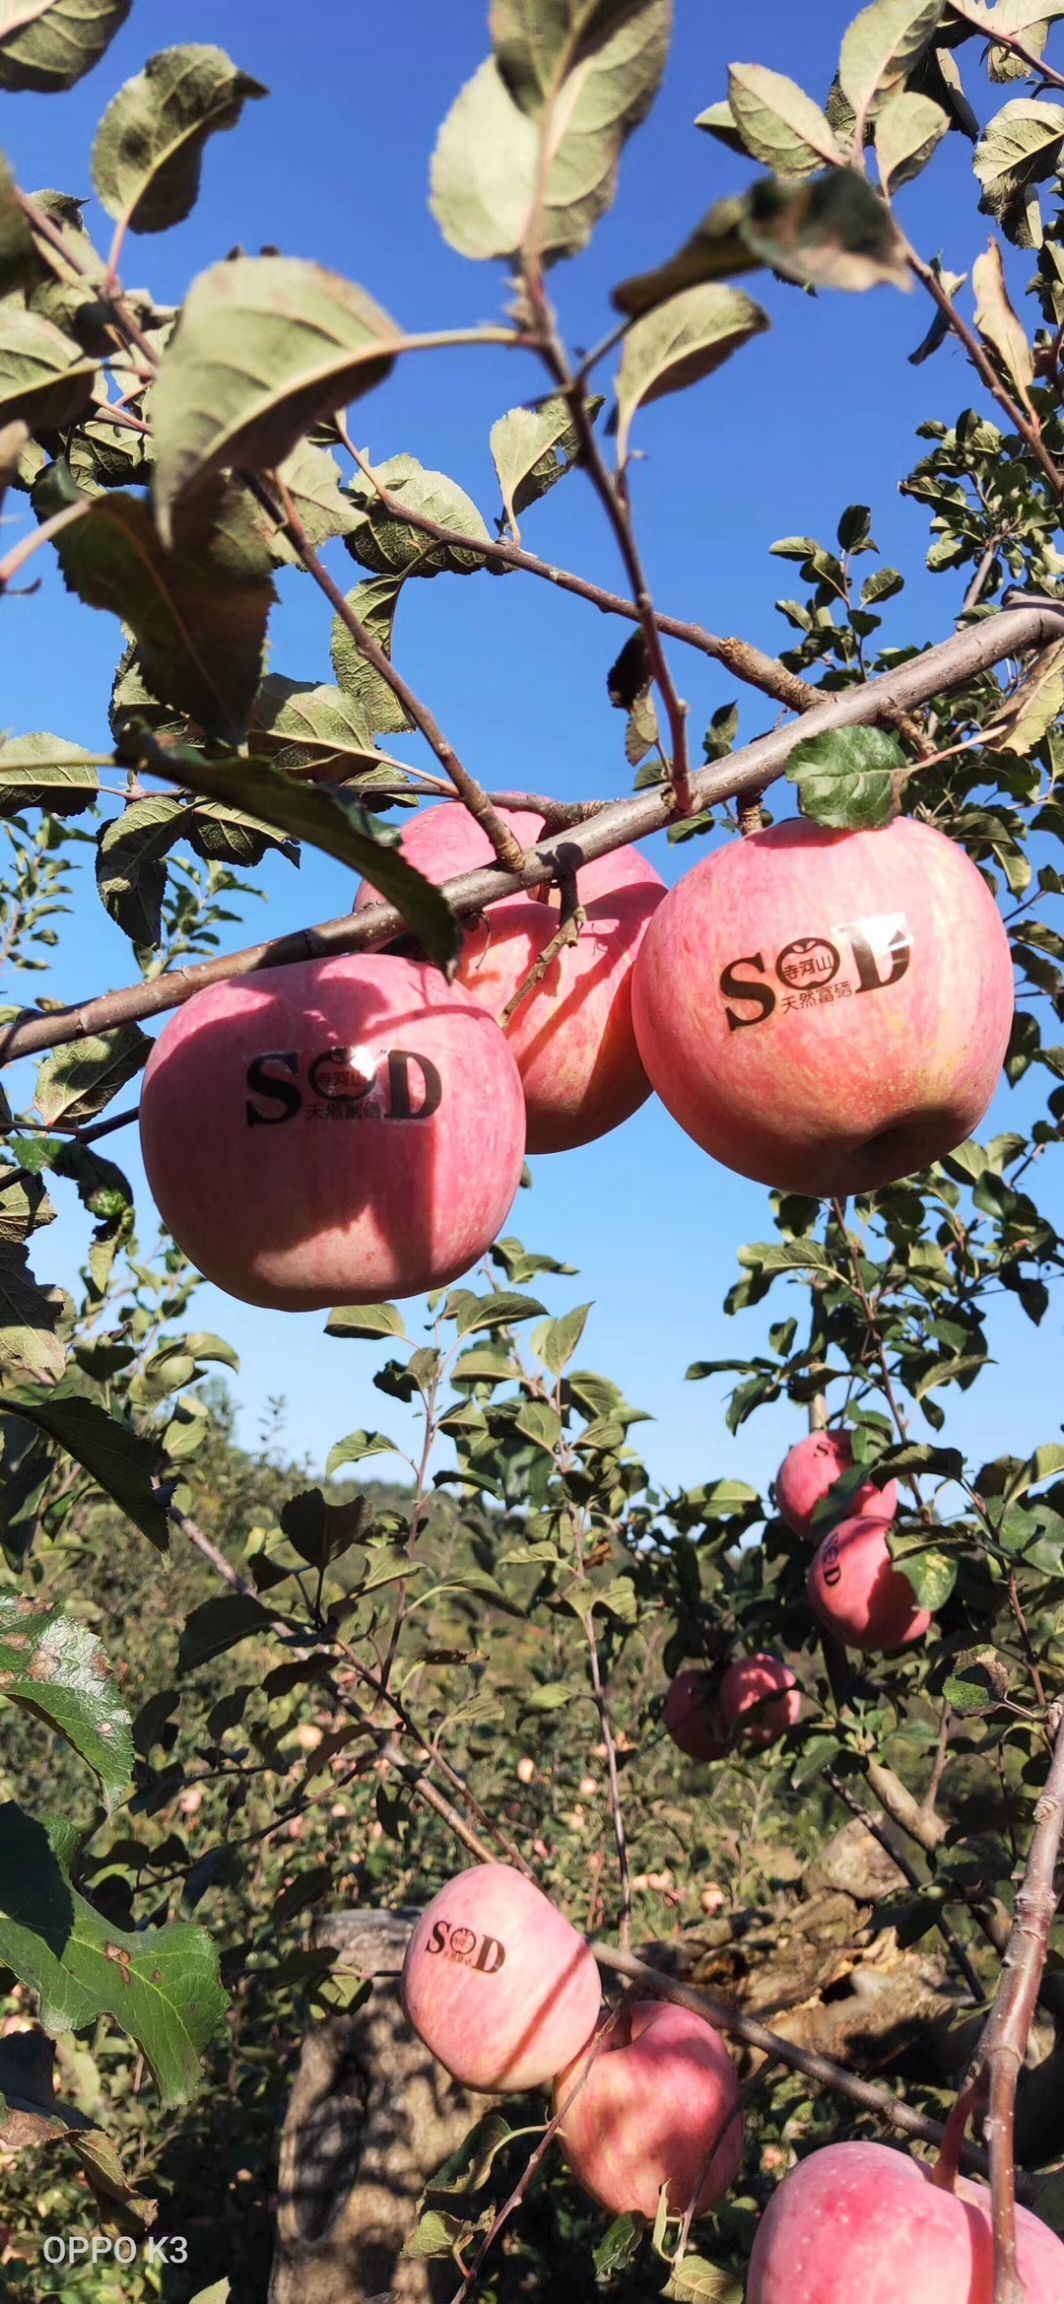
x,y
855,1591
506,1994
822,1011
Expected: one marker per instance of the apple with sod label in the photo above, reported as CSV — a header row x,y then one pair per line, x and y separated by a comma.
x,y
497,1983
759,1700
693,1717
572,1035
660,2104
809,1473
337,1132
864,2224
857,1593
827,1011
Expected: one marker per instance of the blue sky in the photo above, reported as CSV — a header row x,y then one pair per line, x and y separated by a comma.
x,y
821,413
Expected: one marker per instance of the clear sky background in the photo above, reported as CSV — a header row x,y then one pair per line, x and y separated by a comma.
x,y
820,414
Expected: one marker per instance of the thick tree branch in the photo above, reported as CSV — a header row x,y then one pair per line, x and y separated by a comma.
x,y
938,670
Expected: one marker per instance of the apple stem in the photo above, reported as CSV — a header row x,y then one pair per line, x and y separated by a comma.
x,y
751,814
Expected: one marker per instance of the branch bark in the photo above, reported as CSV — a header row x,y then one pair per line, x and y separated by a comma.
x,y
934,673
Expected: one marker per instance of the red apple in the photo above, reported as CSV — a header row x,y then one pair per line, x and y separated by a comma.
x,y
337,1132
863,2224
826,1011
857,1593
693,1718
497,1983
810,1472
660,2104
572,1036
746,1686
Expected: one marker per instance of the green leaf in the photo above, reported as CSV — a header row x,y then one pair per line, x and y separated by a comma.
x,y
931,1573
374,605
46,772
18,263
321,728
779,124
486,166
678,344
534,448
47,45
131,865
558,1341
848,778
908,130
694,2281
29,1318
148,153
881,47
715,250
121,1461
329,821
44,376
198,607
366,1320
393,547
474,1314
313,481
265,347
78,1081
218,1625
1020,148
356,1447
55,1668
833,231
160,1985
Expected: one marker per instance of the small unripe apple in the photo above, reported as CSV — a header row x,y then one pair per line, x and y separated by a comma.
x,y
497,1983
863,2224
693,1718
809,1473
857,1593
337,1132
660,2104
826,1011
572,1035
759,1699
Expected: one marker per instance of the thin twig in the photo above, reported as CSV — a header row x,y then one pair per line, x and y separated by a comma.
x,y
897,1856
748,663
1003,2045
933,673
1011,40
868,2094
1028,427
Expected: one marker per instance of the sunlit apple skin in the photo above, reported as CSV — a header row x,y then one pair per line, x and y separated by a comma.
x,y
497,1983
693,1718
657,2099
338,1132
744,1689
862,2224
856,1592
827,1011
810,1472
572,1036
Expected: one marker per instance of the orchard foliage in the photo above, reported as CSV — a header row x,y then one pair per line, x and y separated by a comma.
x,y
238,1693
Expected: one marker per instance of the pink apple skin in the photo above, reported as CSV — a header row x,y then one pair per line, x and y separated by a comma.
x,y
857,1593
657,2099
810,1472
572,1037
746,1685
827,1011
863,2224
497,1983
693,1718
288,1145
